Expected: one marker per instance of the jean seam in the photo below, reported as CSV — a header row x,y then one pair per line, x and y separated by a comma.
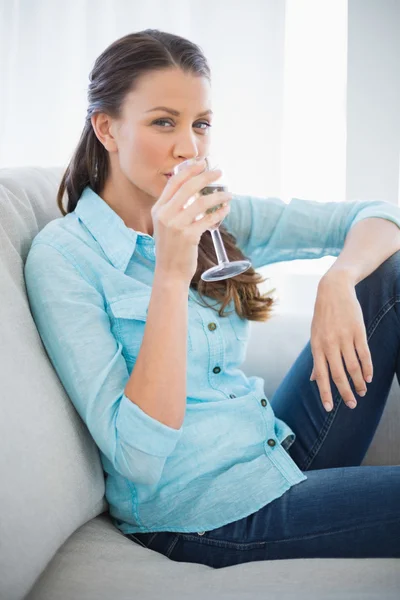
x,y
390,303
132,537
337,399
172,546
151,539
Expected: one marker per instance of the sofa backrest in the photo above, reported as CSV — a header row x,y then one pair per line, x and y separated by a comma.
x,y
51,478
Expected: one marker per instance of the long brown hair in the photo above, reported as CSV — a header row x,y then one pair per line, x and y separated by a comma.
x,y
114,74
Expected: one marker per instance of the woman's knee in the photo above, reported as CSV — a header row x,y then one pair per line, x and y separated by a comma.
x,y
388,272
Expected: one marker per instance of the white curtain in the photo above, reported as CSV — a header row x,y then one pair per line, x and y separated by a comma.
x,y
279,82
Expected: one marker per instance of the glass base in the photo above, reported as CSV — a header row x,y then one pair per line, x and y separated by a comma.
x,y
225,270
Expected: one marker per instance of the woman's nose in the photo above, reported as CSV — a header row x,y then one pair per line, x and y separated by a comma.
x,y
186,147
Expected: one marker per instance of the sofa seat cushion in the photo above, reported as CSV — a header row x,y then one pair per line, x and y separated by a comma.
x,y
98,563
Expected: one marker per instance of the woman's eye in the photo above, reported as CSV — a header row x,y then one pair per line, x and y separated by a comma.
x,y
161,122
207,125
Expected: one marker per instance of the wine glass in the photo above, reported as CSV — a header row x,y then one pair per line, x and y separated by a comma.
x,y
225,268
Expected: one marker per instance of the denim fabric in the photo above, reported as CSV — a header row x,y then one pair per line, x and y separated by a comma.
x,y
342,509
89,282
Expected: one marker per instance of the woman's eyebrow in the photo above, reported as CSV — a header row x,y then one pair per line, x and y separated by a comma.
x,y
177,113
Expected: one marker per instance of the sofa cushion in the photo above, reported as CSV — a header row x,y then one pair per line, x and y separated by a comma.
x,y
99,563
52,479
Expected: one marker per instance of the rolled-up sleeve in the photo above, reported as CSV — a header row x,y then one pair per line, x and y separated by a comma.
x,y
268,230
70,315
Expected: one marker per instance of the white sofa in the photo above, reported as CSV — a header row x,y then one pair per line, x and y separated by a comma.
x,y
56,539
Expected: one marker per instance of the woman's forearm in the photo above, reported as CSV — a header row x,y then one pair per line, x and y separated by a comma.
x,y
158,380
367,245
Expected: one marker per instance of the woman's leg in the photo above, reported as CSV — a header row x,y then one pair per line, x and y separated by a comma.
x,y
342,437
340,510
344,512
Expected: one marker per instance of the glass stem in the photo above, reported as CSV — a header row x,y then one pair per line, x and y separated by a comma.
x,y
219,246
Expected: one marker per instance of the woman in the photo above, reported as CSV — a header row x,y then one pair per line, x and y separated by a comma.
x,y
199,464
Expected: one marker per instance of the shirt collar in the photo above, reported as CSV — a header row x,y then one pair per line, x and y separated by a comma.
x,y
116,239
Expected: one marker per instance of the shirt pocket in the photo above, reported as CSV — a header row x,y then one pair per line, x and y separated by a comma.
x,y
129,317
239,326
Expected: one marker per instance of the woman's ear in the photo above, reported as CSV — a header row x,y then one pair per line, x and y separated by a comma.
x,y
102,127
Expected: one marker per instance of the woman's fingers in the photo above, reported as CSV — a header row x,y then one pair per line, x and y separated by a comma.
x,y
321,377
364,355
354,369
334,361
175,182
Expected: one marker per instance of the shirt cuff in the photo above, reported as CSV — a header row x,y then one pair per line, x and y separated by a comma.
x,y
139,430
388,212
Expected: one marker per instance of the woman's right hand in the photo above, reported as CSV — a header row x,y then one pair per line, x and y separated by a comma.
x,y
176,232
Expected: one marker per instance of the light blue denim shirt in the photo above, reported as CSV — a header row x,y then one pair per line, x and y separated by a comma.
x,y
89,282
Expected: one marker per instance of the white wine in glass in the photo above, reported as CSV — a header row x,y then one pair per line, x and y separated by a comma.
x,y
225,268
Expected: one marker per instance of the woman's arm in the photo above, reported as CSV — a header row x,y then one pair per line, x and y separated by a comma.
x,y
158,380
268,230
74,326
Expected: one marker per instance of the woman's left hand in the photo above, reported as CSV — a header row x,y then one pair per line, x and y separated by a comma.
x,y
337,334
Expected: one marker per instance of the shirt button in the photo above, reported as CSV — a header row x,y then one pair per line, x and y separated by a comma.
x,y
232,395
271,442
264,402
216,370
212,326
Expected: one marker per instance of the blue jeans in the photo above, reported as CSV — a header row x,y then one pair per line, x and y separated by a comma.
x,y
343,509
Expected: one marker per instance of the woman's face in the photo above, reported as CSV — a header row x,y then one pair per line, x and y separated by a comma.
x,y
150,140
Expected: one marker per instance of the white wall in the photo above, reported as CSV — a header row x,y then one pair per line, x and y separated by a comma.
x,y
373,100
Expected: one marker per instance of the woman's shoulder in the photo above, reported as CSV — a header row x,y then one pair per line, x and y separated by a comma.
x,y
64,234
63,243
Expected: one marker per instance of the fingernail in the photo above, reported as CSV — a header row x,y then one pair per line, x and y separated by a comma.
x,y
368,379
352,404
328,407
362,393
184,165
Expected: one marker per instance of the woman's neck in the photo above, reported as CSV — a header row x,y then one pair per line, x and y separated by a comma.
x,y
130,203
